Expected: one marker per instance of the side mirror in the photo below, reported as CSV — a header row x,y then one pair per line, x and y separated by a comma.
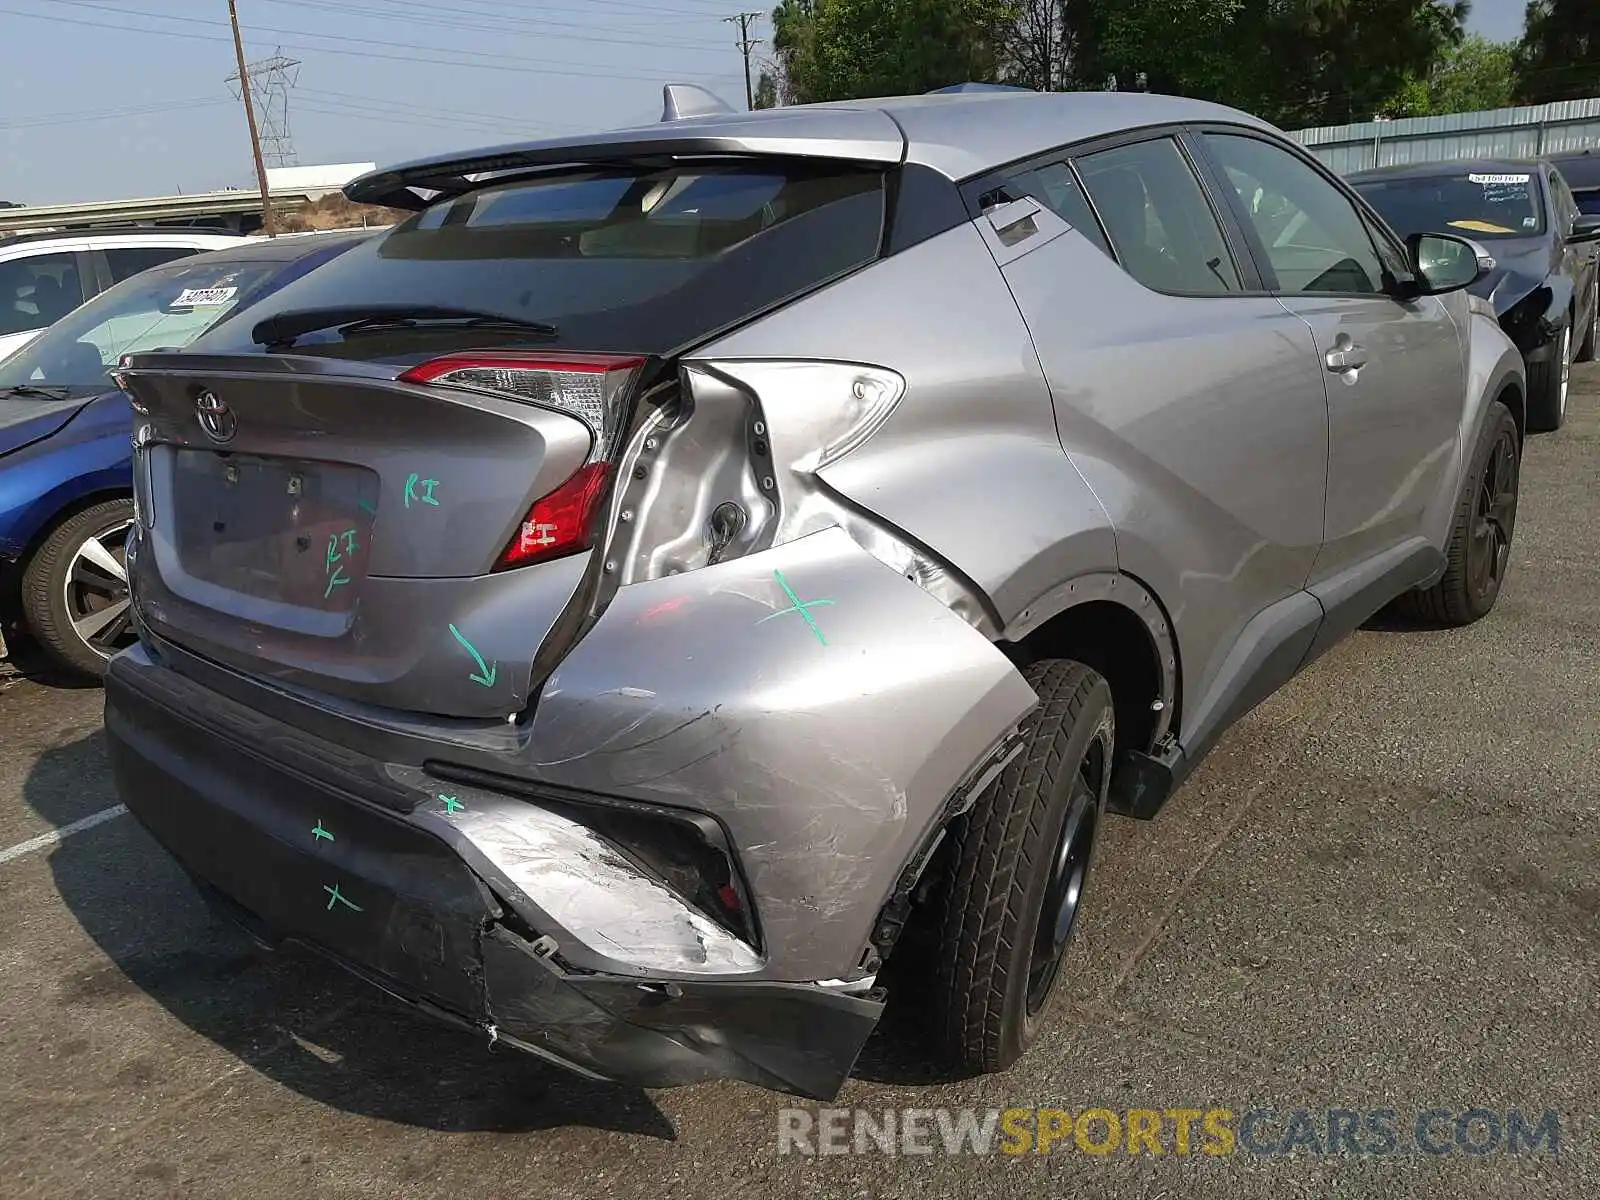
x,y
1444,263
1586,228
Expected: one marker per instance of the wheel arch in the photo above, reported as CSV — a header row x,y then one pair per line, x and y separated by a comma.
x,y
1113,623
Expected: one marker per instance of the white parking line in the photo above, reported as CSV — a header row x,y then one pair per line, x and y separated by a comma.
x,y
45,840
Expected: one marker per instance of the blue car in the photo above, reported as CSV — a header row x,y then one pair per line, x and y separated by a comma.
x,y
66,483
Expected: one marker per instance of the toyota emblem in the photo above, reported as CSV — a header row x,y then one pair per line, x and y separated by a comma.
x,y
216,418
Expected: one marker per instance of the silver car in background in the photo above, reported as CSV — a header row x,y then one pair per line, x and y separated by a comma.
x,y
609,609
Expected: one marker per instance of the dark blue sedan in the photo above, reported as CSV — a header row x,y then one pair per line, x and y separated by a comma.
x,y
66,489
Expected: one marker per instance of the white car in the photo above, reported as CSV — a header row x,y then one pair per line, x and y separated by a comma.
x,y
44,276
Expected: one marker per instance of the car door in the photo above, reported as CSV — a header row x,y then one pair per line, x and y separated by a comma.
x,y
1394,370
1582,261
1190,400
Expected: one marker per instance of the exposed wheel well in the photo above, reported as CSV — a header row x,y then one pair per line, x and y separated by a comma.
x,y
1115,642
1511,396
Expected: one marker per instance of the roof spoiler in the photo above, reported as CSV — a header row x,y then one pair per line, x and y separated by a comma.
x,y
680,101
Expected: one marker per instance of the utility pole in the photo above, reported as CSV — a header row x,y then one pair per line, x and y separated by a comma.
x,y
746,44
267,224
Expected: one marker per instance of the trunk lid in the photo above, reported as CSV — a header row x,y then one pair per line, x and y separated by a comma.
x,y
331,525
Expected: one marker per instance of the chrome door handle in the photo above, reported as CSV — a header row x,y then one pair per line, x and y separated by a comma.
x,y
1346,356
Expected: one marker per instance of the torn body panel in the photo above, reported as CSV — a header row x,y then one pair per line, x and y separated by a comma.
x,y
820,706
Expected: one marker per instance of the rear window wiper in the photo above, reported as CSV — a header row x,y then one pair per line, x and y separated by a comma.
x,y
284,328
43,393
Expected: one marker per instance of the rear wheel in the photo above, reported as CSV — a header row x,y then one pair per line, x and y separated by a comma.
x,y
1586,351
1480,539
1548,383
1019,866
75,589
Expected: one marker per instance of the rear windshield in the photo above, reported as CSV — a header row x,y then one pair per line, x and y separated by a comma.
x,y
1480,203
639,259
161,309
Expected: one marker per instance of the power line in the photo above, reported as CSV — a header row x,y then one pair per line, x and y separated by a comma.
x,y
547,65
746,44
521,67
41,120
427,14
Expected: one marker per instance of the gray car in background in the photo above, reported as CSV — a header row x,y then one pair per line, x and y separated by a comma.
x,y
609,609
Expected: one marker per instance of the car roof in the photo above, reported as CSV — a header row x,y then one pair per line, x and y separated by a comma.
x,y
112,233
957,134
279,249
1454,166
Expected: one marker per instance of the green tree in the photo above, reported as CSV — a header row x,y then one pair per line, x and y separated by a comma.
x,y
1559,55
846,49
766,90
1295,62
1474,76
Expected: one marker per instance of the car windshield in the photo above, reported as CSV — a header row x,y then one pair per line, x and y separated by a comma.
x,y
166,308
1490,204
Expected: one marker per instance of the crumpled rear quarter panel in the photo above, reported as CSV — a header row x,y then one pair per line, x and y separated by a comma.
x,y
817,703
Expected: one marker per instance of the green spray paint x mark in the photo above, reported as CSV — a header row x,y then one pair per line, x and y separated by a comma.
x,y
335,896
451,804
319,832
486,671
798,607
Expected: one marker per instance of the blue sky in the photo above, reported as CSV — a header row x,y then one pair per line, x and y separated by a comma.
x,y
102,99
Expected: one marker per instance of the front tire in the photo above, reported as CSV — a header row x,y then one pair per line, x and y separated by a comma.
x,y
1480,537
1586,352
1548,384
1019,865
75,589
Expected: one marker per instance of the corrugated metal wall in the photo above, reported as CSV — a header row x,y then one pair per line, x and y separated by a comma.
x,y
1523,132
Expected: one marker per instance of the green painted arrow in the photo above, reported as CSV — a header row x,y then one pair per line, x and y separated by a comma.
x,y
486,671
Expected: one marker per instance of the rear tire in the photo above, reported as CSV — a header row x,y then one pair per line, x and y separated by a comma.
x,y
1479,550
71,589
1548,383
1020,860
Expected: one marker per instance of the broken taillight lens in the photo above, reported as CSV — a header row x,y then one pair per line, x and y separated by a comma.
x,y
560,523
592,388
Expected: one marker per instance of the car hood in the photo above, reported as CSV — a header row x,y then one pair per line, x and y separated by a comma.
x,y
28,419
1521,264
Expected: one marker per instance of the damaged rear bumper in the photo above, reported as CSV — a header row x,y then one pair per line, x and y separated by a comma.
x,y
307,842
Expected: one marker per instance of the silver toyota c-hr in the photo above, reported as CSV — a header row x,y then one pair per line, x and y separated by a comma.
x,y
609,608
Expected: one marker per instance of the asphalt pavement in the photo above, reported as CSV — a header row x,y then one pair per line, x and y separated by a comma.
x,y
1382,892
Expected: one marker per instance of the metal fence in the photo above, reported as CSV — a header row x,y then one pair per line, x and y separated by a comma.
x,y
1525,132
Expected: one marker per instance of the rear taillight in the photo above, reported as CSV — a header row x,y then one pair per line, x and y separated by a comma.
x,y
589,387
592,388
560,523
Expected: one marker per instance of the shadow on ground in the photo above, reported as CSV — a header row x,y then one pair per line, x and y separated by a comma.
x,y
287,1014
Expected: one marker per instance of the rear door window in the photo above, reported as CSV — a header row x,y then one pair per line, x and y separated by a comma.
x,y
37,291
1159,220
640,259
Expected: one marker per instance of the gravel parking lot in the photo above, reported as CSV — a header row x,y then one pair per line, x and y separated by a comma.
x,y
1382,892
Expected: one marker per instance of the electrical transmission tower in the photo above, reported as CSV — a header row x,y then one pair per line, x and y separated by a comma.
x,y
270,81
